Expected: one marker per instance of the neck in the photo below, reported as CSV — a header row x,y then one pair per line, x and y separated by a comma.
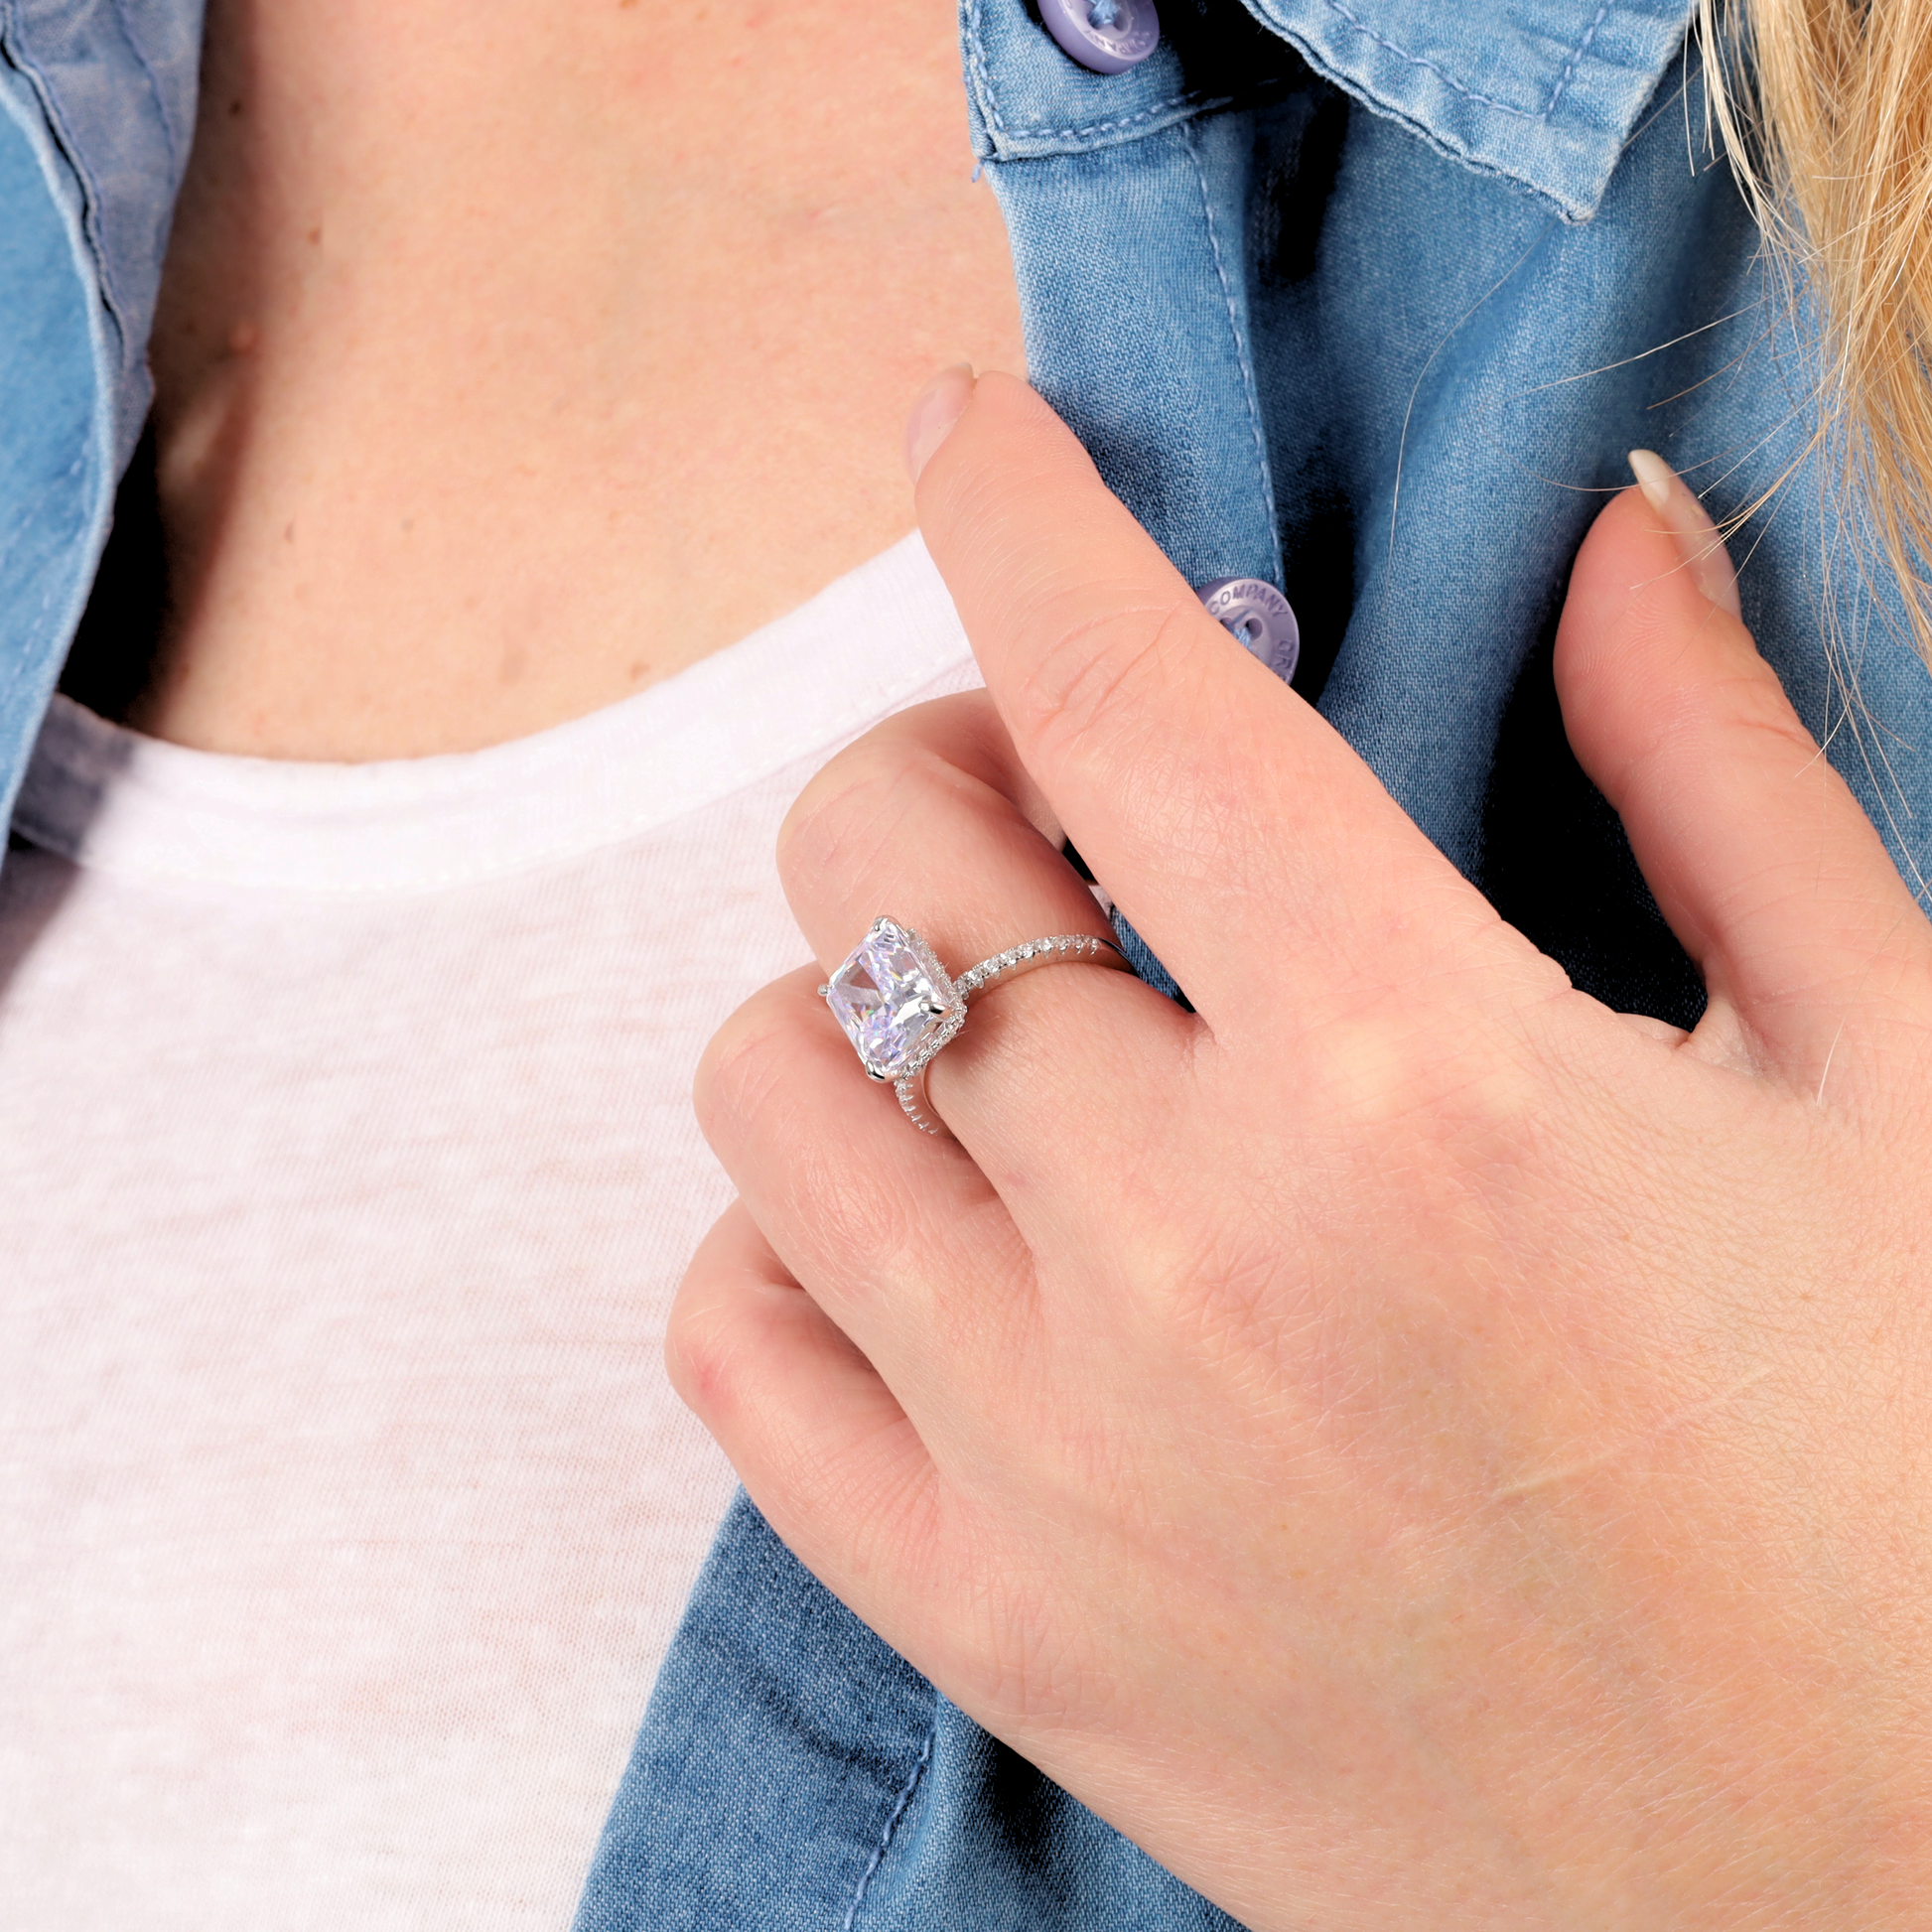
x,y
512,356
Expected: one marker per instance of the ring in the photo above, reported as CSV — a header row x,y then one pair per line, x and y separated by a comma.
x,y
901,1009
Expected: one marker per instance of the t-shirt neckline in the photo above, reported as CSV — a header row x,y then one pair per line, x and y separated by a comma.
x,y
112,800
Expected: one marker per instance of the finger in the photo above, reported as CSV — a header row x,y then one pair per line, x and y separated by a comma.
x,y
816,1436
899,1237
1760,858
1059,1052
931,820
1235,828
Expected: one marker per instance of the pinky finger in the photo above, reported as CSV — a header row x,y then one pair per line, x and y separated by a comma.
x,y
818,1440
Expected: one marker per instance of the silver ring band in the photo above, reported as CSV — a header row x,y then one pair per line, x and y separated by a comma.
x,y
901,1009
1011,965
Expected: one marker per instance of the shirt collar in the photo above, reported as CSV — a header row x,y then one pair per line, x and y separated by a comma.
x,y
1544,92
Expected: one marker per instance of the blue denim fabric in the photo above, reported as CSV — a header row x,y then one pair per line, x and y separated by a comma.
x,y
1398,376
96,108
800,1777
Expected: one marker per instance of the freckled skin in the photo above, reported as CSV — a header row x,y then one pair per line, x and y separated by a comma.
x,y
510,356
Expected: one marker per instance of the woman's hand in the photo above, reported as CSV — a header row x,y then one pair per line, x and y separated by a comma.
x,y
1408,1446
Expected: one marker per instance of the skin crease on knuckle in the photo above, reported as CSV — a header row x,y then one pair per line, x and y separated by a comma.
x,y
1083,695
1204,830
748,1073
741,1069
861,1249
708,1353
854,830
846,824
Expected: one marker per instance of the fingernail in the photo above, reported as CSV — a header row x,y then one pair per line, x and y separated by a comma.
x,y
1698,542
938,408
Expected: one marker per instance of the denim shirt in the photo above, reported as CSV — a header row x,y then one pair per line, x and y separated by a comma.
x,y
96,111
1366,297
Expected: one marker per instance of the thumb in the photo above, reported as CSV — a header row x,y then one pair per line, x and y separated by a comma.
x,y
1769,873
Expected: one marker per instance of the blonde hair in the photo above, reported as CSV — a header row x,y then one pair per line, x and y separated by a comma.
x,y
1825,108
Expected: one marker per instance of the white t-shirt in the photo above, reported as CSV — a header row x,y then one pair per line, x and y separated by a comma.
x,y
347,1173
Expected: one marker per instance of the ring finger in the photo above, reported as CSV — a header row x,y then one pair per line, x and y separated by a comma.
x,y
897,1236
932,821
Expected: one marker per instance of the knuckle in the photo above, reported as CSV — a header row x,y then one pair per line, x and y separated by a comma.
x,y
1368,1072
1426,1099
853,808
754,1099
742,1067
1752,703
1087,684
867,1232
1743,707
704,1355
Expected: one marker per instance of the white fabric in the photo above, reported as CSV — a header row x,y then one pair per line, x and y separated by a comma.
x,y
347,1172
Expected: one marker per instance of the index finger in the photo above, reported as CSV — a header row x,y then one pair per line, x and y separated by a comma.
x,y
1232,825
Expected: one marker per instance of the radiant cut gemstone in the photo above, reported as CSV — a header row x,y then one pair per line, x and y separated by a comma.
x,y
889,997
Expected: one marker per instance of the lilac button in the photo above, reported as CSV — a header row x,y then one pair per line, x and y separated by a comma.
x,y
1108,36
1259,615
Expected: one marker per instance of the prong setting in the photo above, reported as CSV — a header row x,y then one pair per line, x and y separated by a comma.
x,y
901,1009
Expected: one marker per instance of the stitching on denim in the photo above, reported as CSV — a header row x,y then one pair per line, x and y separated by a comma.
x,y
977,60
1205,103
981,72
1248,394
154,84
1470,93
1441,73
1569,65
886,1837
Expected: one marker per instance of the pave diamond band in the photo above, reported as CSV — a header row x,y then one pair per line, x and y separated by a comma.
x,y
910,1086
1038,953
901,1009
